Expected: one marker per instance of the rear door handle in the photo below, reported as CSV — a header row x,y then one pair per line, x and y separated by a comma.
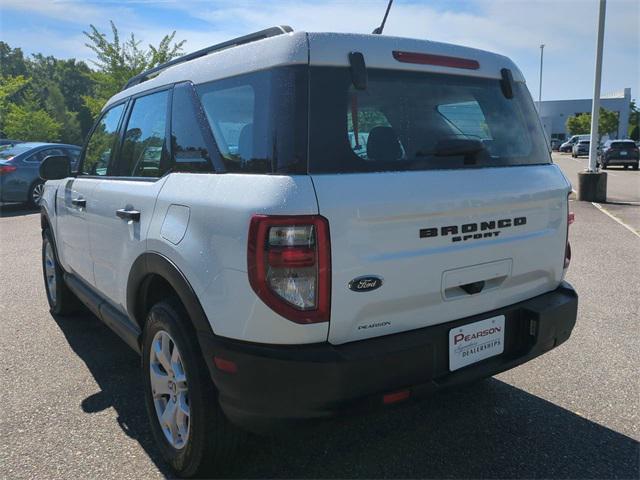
x,y
79,202
133,215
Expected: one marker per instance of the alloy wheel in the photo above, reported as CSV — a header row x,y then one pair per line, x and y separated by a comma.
x,y
169,389
36,194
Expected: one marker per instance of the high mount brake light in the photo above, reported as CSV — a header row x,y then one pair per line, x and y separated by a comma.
x,y
289,265
439,60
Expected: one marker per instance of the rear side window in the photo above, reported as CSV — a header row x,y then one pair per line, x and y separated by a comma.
x,y
622,145
259,120
42,154
188,147
418,121
143,150
102,142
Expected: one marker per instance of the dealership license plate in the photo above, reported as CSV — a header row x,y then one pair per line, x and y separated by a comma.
x,y
623,153
475,341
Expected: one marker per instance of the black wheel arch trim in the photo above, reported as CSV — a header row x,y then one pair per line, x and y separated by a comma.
x,y
154,263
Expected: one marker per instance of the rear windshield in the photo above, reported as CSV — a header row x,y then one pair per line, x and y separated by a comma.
x,y
623,144
11,152
418,121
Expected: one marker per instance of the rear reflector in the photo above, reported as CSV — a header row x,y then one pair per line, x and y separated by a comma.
x,y
395,397
440,60
225,365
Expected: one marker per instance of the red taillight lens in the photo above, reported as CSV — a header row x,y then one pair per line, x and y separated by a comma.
x,y
4,169
289,265
439,60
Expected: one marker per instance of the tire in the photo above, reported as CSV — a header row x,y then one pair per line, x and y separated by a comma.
x,y
35,194
62,301
635,167
201,442
604,166
626,167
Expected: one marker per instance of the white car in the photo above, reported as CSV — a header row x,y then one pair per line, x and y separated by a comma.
x,y
291,225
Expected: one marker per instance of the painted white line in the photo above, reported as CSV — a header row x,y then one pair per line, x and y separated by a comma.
x,y
603,210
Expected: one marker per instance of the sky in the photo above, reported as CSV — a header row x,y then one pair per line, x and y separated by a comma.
x,y
515,28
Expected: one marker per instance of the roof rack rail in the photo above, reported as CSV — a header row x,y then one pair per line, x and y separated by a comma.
x,y
234,42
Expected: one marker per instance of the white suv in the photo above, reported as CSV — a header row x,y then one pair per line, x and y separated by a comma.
x,y
293,225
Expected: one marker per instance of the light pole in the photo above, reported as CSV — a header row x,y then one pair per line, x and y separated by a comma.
x,y
592,184
595,110
540,89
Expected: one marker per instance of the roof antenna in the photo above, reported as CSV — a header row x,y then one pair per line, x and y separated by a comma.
x,y
378,31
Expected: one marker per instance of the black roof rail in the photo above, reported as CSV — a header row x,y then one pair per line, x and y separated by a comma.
x,y
234,42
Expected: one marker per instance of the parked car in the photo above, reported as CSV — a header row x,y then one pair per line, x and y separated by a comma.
x,y
567,146
19,180
580,148
270,269
555,144
619,152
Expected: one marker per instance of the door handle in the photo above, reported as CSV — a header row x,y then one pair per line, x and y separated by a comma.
x,y
133,215
79,202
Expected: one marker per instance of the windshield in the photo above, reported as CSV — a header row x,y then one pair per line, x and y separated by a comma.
x,y
622,144
8,153
418,121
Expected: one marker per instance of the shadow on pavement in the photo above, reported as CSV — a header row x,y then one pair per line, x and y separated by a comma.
x,y
487,430
15,210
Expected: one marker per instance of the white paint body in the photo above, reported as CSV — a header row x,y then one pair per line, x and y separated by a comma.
x,y
200,221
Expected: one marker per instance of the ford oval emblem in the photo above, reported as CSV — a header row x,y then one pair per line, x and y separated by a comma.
x,y
365,284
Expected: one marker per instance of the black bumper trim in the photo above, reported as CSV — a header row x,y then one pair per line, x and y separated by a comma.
x,y
280,385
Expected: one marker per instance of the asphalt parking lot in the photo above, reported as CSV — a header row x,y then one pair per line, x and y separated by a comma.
x,y
72,401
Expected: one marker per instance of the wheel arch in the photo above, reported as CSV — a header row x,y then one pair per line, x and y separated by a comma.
x,y
151,275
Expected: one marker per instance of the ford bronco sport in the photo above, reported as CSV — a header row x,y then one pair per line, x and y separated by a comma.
x,y
289,225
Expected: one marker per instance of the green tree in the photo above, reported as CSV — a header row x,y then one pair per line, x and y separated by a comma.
x,y
10,88
634,121
117,61
31,124
581,124
12,61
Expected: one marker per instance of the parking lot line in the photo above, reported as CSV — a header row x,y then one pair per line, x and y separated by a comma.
x,y
603,210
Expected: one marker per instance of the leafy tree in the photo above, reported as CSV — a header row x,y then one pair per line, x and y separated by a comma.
x,y
118,61
581,124
28,124
634,121
10,87
12,62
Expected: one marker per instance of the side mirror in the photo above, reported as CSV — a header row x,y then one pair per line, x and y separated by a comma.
x,y
55,167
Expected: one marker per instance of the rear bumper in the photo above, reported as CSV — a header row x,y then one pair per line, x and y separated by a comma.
x,y
279,386
630,160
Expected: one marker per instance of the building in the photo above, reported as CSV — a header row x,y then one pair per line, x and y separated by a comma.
x,y
554,113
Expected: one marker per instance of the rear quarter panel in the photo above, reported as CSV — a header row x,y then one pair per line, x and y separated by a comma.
x,y
211,250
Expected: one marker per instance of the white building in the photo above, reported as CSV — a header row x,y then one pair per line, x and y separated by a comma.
x,y
554,113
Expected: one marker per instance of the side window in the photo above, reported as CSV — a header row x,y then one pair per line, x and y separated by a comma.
x,y
74,156
466,118
101,142
42,154
231,113
188,147
143,150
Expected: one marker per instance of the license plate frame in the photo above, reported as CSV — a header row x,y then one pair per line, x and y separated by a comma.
x,y
476,341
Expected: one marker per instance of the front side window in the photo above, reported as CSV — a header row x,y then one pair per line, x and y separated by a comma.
x,y
418,121
102,142
259,120
143,149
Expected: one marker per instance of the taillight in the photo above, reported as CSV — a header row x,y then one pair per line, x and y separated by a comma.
x,y
289,265
4,169
571,217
